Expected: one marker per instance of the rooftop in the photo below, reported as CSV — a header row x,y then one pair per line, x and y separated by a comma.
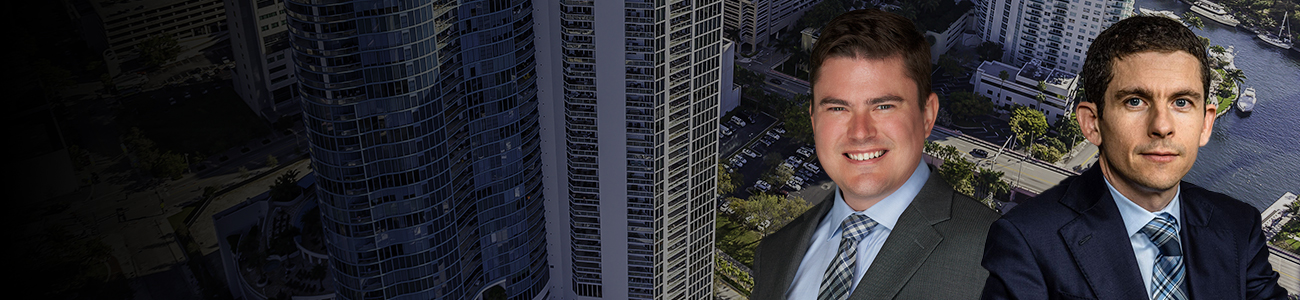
x,y
1035,72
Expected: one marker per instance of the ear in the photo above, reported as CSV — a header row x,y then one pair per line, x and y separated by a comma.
x,y
931,112
1086,114
812,118
1211,111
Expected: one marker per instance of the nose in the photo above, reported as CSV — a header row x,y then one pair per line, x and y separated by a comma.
x,y
1161,125
862,126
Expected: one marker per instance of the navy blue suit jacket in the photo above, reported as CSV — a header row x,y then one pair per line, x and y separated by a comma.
x,y
1070,243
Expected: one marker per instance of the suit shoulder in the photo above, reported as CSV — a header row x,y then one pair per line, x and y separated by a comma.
x,y
969,209
1042,209
1228,204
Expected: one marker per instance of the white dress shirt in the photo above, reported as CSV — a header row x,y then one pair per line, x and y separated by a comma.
x,y
826,239
1135,217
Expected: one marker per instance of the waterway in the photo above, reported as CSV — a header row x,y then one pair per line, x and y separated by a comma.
x,y
1254,158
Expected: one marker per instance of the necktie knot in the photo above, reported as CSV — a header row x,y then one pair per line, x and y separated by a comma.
x,y
857,226
1163,232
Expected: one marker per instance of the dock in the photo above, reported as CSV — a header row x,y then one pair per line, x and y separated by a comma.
x,y
1276,216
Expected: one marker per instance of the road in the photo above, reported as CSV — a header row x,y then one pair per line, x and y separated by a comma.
x,y
1022,172
1288,269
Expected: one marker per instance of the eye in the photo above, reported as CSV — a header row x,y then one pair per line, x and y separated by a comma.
x,y
1133,102
836,108
1182,103
884,106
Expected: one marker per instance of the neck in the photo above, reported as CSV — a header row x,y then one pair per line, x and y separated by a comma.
x,y
1148,198
861,203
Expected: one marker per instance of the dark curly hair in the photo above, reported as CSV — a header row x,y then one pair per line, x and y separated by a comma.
x,y
1132,36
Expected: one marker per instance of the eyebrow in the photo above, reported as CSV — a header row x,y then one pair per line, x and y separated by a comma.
x,y
873,101
1146,94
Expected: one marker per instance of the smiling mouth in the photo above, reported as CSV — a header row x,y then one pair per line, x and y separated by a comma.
x,y
864,156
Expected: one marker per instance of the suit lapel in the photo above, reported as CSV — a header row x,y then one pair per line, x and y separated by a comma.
x,y
798,237
1207,254
910,242
1098,241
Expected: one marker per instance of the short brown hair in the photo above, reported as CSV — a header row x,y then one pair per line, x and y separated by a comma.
x,y
875,34
1132,36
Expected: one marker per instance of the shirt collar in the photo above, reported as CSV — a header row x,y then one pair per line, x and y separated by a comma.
x,y
1135,217
887,211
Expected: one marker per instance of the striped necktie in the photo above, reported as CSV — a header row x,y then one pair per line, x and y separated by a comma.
x,y
838,280
1167,276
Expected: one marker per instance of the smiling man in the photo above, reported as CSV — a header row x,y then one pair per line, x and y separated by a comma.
x,y
1129,228
890,230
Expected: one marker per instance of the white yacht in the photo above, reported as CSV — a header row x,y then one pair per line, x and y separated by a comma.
x,y
1282,39
1214,11
1246,102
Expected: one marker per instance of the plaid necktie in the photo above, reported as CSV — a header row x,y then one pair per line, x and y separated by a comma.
x,y
838,280
1167,275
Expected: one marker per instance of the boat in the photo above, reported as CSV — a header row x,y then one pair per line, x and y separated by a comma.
x,y
1159,13
1246,102
1215,12
1281,40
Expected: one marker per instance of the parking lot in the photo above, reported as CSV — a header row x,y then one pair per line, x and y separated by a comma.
x,y
759,157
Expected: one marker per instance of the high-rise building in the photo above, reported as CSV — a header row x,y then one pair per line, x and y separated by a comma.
x,y
259,42
423,123
759,21
631,105
1056,32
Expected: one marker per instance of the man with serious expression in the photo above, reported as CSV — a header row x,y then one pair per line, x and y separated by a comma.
x,y
869,126
1154,119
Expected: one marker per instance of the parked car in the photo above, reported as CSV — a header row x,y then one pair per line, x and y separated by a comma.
x,y
776,81
748,153
779,130
805,152
977,152
812,167
766,140
773,135
762,185
724,131
795,185
738,121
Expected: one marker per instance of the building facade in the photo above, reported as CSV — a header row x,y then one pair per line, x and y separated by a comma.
x,y
632,146
759,21
259,42
1055,32
1022,87
423,122
116,27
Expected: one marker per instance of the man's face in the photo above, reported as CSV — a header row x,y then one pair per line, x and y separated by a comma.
x,y
1153,122
868,127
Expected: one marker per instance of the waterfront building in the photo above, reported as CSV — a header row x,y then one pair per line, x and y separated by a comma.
x,y
631,107
423,126
1055,32
259,43
760,21
1059,88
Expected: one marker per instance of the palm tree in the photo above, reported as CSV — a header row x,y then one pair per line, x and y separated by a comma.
x,y
1042,88
1193,21
1234,75
989,183
1004,75
1217,49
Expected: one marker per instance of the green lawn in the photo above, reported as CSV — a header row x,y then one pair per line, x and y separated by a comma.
x,y
206,123
736,241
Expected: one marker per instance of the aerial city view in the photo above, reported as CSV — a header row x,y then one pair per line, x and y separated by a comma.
x,y
544,149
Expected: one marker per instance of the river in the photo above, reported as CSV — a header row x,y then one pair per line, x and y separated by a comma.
x,y
1254,158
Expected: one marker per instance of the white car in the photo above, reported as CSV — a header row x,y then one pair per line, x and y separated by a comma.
x,y
794,185
774,135
812,167
738,121
779,130
762,185
724,130
805,152
749,153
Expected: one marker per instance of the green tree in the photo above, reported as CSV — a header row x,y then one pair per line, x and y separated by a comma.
x,y
820,14
1217,49
158,49
1028,124
1191,20
1067,129
286,187
958,173
990,51
745,77
1234,75
941,151
1045,153
965,104
169,165
798,125
728,181
950,65
1004,76
989,183
271,161
765,213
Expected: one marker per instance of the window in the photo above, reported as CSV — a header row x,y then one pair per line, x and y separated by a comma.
x,y
264,27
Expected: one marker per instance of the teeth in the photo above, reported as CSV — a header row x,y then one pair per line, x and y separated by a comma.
x,y
866,156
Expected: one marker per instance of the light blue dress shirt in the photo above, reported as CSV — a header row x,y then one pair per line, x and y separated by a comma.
x,y
826,240
1135,217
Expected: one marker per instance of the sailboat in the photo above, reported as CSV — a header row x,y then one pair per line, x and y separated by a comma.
x,y
1282,39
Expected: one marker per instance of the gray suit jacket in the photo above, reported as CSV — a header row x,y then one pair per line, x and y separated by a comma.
x,y
934,251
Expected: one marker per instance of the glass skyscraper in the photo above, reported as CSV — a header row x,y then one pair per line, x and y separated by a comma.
x,y
423,123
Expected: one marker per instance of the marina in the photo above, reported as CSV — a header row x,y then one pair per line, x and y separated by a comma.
x,y
1214,12
1281,40
1276,215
